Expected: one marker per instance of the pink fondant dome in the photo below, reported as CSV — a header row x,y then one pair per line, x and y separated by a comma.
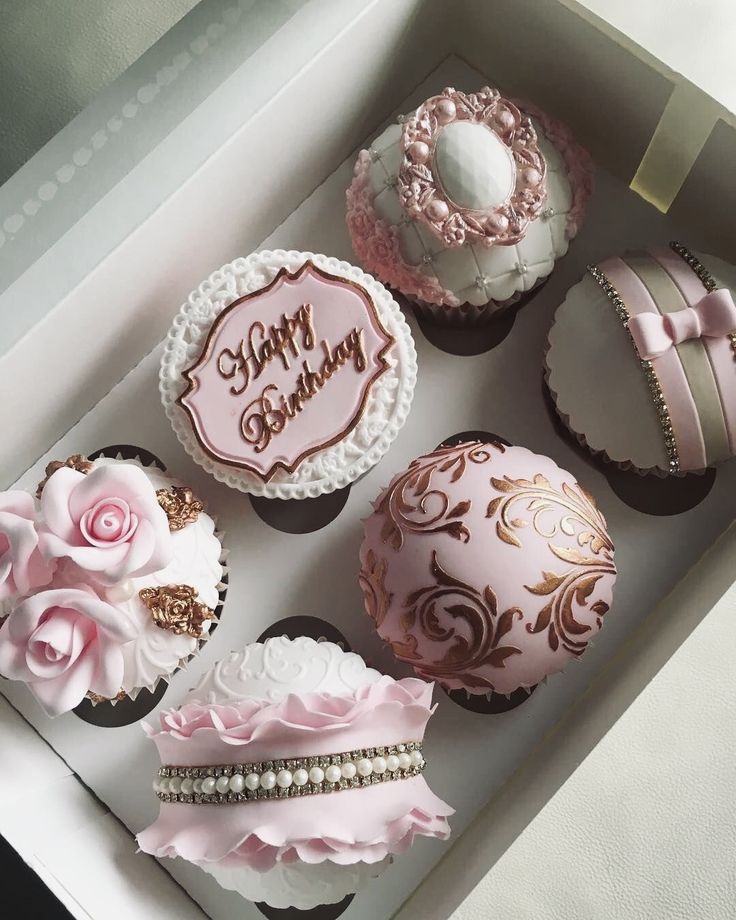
x,y
486,567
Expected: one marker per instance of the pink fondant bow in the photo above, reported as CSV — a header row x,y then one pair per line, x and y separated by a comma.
x,y
713,316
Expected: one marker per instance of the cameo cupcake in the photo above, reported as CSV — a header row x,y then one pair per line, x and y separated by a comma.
x,y
109,581
288,374
642,360
466,204
293,773
486,567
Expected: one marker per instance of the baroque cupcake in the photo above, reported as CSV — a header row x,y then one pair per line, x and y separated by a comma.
x,y
466,204
293,773
109,581
288,374
641,361
486,567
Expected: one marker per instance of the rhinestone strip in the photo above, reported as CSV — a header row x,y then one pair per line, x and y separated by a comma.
x,y
411,750
655,388
706,279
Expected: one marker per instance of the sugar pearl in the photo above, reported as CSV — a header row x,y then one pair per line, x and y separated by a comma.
x,y
237,783
392,763
349,770
252,781
187,785
445,111
157,784
365,767
268,779
416,758
404,761
198,786
316,775
333,774
175,785
284,779
209,784
379,764
301,777
223,784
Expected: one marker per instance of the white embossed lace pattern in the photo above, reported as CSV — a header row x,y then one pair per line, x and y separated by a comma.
x,y
334,467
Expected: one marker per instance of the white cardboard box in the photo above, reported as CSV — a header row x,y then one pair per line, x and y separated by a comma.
x,y
218,184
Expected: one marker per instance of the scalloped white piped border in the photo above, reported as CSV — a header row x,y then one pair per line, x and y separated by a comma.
x,y
186,337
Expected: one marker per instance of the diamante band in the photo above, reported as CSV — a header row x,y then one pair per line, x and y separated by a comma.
x,y
653,383
279,779
707,280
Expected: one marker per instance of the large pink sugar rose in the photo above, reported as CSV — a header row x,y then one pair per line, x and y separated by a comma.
x,y
108,522
65,643
22,567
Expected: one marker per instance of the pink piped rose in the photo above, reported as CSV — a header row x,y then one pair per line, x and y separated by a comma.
x,y
64,643
108,522
22,567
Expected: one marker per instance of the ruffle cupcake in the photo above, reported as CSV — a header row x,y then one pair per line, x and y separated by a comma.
x,y
293,773
486,567
465,205
109,580
288,374
641,361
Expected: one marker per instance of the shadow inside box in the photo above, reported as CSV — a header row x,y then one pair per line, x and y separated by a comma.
x,y
649,494
300,515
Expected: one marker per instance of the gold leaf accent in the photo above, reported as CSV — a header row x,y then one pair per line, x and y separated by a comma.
x,y
505,534
176,608
180,506
76,462
372,580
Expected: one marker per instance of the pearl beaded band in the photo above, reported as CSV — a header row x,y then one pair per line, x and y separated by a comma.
x,y
284,778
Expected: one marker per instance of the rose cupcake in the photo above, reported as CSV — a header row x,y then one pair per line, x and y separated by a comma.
x,y
110,581
465,205
288,374
486,567
641,361
293,773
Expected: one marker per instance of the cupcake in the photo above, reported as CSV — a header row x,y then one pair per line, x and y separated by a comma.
x,y
288,374
109,581
465,205
641,361
486,567
315,762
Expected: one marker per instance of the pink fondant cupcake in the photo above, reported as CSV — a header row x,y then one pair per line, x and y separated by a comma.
x,y
466,204
642,360
288,374
486,567
109,580
293,773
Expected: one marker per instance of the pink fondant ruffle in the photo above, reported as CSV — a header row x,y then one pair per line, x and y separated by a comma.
x,y
355,825
385,712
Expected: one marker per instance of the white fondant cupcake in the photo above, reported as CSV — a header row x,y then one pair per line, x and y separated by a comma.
x,y
288,374
316,778
110,581
466,204
641,361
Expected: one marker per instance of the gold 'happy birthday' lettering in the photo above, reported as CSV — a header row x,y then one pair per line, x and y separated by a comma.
x,y
270,413
256,352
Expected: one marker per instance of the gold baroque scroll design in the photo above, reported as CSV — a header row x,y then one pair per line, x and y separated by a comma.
x,y
434,612
580,520
372,580
176,608
76,462
411,505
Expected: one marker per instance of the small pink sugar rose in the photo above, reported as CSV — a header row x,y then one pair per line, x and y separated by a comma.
x,y
108,522
65,643
22,567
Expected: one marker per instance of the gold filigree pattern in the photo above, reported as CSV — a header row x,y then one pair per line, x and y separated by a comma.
x,y
372,580
412,505
180,506
96,698
571,513
176,608
76,462
434,612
